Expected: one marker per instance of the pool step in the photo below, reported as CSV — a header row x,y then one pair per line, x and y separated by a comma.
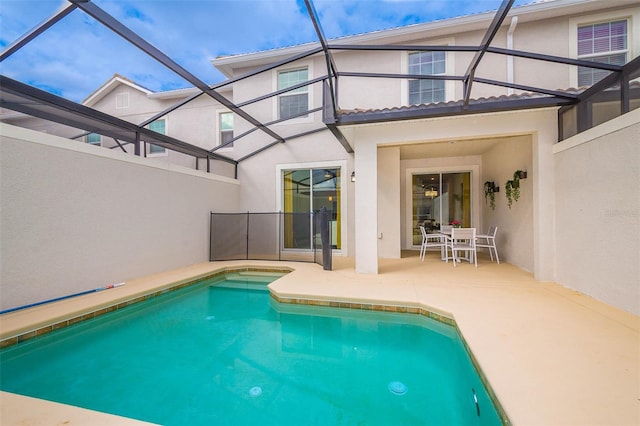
x,y
242,284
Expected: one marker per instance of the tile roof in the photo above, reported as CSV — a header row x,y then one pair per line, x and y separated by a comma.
x,y
458,103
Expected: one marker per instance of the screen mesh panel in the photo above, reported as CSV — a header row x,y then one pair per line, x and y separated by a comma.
x,y
299,237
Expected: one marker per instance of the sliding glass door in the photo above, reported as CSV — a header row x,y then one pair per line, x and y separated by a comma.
x,y
440,198
309,190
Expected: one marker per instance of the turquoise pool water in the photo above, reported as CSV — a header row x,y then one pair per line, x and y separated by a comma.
x,y
225,353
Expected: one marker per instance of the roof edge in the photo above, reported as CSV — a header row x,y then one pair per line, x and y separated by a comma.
x,y
109,85
225,64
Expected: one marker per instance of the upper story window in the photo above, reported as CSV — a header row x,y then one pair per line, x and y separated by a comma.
x,y
603,42
296,101
426,63
158,126
93,139
225,125
122,100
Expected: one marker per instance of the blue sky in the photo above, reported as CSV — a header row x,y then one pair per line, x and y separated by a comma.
x,y
77,55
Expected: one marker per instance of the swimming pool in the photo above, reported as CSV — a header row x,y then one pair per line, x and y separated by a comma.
x,y
224,352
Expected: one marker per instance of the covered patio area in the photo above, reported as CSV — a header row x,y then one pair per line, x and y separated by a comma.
x,y
485,147
550,354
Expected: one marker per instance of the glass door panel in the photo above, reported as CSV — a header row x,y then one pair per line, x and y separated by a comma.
x,y
439,198
308,190
326,193
456,202
297,199
426,204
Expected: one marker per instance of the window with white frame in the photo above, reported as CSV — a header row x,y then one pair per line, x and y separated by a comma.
x,y
426,63
605,42
158,126
296,101
225,126
93,139
122,100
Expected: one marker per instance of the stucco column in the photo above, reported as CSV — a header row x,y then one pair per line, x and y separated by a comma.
x,y
366,207
389,231
543,199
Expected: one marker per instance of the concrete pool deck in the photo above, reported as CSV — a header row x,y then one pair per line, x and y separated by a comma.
x,y
552,356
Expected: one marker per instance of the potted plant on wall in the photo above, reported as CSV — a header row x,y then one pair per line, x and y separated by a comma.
x,y
490,190
512,187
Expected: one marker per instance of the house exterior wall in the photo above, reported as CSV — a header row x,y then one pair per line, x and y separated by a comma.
x,y
515,231
551,33
86,217
597,212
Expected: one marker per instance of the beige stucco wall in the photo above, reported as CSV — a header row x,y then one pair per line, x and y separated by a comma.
x,y
515,231
389,206
559,25
598,212
76,217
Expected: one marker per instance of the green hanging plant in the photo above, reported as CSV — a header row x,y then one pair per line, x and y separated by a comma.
x,y
490,190
512,187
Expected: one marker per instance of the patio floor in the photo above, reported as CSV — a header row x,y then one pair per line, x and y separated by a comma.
x,y
553,356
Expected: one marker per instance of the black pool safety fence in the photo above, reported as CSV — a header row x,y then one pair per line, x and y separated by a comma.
x,y
298,237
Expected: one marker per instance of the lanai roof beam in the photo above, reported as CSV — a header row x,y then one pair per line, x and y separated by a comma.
x,y
498,18
268,67
36,31
120,29
281,91
556,59
403,47
412,76
288,138
331,65
557,93
171,109
280,120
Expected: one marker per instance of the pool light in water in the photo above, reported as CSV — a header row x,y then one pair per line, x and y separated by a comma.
x,y
398,388
255,391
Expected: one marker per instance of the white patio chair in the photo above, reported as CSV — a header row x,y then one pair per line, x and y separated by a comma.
x,y
488,240
463,239
430,240
446,231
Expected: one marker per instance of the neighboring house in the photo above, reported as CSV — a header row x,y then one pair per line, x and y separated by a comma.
x,y
202,122
402,161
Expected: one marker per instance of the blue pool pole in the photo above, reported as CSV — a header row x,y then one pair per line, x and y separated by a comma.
x,y
69,296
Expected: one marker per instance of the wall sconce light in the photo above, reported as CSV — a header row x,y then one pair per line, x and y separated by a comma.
x,y
353,176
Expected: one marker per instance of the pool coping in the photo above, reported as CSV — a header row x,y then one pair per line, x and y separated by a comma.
x,y
19,335
99,309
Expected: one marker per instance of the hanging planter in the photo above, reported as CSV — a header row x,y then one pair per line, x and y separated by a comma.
x,y
490,190
512,187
